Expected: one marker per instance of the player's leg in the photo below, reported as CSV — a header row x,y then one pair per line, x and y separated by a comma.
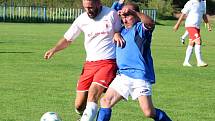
x,y
83,86
102,78
142,91
183,37
189,50
118,90
110,98
90,112
197,40
80,102
151,112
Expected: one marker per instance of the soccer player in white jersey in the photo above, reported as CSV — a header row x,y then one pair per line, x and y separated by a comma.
x,y
98,23
195,11
185,35
136,72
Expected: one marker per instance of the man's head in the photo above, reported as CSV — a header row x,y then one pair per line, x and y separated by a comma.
x,y
128,14
92,7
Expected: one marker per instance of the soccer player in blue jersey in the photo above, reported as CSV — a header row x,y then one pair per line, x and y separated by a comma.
x,y
136,72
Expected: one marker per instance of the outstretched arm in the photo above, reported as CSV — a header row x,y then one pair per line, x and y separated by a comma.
x,y
62,43
175,28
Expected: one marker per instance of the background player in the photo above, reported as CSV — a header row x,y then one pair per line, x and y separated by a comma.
x,y
195,11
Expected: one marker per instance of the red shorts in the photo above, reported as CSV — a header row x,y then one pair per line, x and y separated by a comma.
x,y
101,72
194,35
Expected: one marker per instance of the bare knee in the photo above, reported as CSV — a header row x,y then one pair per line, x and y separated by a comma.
x,y
95,93
105,102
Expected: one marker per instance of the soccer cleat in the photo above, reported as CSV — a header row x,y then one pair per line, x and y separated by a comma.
x,y
202,64
182,40
186,64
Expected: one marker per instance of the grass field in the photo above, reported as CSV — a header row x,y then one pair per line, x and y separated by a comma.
x,y
30,85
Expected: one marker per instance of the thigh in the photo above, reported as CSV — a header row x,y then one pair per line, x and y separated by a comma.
x,y
110,98
105,75
95,92
140,88
121,85
86,77
194,35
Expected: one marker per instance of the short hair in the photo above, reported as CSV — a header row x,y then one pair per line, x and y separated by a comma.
x,y
134,6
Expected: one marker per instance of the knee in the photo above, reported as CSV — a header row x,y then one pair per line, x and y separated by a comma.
x,y
105,102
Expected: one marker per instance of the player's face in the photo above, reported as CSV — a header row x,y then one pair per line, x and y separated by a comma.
x,y
92,8
127,17
128,20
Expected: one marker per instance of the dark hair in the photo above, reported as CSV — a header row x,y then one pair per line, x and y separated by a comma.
x,y
134,6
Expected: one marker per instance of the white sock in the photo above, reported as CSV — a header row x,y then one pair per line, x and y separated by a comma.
x,y
90,112
198,53
188,54
185,35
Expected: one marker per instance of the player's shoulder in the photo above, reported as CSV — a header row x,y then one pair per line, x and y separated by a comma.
x,y
109,13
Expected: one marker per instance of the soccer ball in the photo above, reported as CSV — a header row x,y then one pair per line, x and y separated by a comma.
x,y
50,116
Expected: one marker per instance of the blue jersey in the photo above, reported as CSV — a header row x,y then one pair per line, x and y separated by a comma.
x,y
135,60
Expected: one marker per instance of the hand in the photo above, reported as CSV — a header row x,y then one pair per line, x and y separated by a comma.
x,y
120,42
49,54
175,28
209,27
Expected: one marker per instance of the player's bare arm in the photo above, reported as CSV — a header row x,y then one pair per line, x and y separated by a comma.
x,y
120,42
205,18
175,28
148,21
63,43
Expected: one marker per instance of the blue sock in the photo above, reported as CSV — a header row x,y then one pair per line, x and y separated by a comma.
x,y
161,116
104,114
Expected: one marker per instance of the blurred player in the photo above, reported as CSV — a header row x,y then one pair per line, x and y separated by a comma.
x,y
186,33
136,73
98,23
117,5
195,11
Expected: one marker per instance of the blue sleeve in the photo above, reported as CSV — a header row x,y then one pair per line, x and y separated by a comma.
x,y
143,31
117,6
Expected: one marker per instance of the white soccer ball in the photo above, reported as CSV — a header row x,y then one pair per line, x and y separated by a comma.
x,y
50,116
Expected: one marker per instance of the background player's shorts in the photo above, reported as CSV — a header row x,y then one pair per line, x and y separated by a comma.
x,y
194,34
126,86
101,72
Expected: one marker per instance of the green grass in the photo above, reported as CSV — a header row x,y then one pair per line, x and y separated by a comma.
x,y
30,85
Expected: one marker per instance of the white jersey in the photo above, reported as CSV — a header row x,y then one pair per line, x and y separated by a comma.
x,y
194,11
98,33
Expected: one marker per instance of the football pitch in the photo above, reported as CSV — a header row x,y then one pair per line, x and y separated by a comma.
x,y
31,86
